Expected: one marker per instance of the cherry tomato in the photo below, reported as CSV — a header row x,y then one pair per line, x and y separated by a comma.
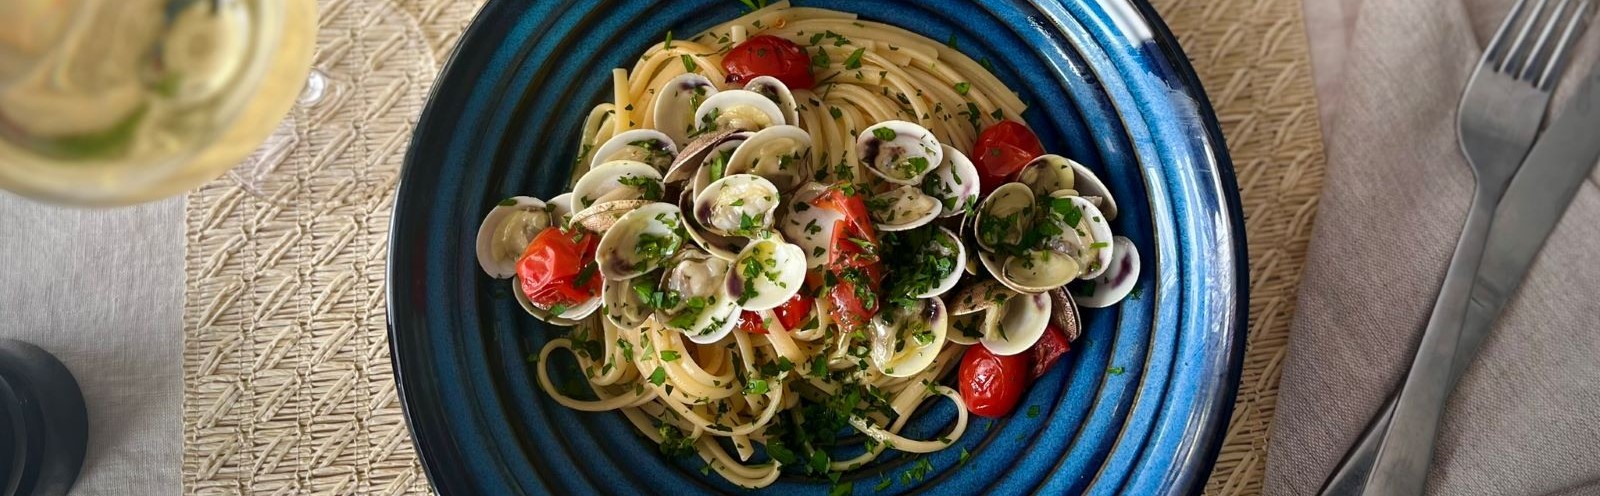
x,y
1051,346
992,384
1002,150
750,322
852,260
557,268
793,313
849,203
768,55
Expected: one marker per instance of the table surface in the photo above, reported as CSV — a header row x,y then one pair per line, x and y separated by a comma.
x,y
262,310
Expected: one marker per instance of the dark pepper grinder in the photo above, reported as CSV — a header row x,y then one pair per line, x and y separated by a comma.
x,y
43,425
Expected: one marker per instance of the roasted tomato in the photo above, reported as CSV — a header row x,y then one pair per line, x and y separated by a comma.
x,y
793,313
558,268
1001,151
853,263
1051,346
992,384
768,55
848,202
750,322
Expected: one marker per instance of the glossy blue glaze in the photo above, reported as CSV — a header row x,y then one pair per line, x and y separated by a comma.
x,y
1139,407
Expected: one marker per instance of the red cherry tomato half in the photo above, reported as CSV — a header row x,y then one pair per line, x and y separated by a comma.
x,y
992,384
1051,346
750,322
557,268
793,313
1001,151
768,55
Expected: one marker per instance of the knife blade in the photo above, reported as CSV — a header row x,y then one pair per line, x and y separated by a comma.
x,y
1536,199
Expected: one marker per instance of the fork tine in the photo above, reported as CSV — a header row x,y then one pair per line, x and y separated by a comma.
x,y
1497,46
1515,57
1530,69
1558,57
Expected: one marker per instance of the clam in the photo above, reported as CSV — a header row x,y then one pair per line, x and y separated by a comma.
x,y
737,109
1033,245
676,104
954,183
698,304
902,207
1118,279
623,306
766,274
1003,217
599,218
946,245
1048,174
569,316
1090,186
640,241
737,205
807,226
640,145
1006,322
1064,313
779,93
905,340
561,209
687,164
969,306
617,180
782,154
725,247
715,166
898,151
1092,244
506,232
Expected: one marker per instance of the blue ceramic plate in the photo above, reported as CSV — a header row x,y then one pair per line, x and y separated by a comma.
x,y
1140,408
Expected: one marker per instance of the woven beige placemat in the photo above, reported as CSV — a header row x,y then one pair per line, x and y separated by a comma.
x,y
287,380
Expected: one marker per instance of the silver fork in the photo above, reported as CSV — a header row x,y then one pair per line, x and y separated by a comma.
x,y
1499,117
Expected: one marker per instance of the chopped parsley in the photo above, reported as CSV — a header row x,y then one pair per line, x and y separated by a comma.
x,y
854,60
688,63
963,87
884,133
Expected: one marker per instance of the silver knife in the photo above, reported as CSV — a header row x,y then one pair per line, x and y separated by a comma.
x,y
1533,205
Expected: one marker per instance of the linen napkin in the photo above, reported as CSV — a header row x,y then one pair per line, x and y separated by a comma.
x,y
1526,417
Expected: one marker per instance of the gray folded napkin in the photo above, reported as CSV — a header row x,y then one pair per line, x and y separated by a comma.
x,y
1526,418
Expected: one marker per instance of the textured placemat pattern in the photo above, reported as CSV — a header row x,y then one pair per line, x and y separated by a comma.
x,y
1254,60
288,387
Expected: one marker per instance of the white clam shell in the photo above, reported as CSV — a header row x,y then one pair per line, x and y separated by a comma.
x,y
724,247
737,109
675,106
726,204
766,274
693,274
1014,326
568,317
622,304
1097,256
782,154
640,145
604,183
618,252
906,341
561,209
779,93
506,232
965,329
910,152
1048,174
948,245
709,170
903,207
807,226
1118,279
1089,184
1005,201
954,183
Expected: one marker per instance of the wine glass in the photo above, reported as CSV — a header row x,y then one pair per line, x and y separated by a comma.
x,y
111,102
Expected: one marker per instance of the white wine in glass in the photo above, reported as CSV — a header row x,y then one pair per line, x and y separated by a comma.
x,y
111,102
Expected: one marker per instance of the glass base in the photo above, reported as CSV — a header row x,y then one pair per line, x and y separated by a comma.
x,y
44,426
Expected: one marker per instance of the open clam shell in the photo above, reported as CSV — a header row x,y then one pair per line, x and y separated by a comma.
x,y
782,154
599,218
900,152
1015,325
688,162
640,241
676,104
1093,234
716,165
1090,185
617,180
506,232
954,183
639,145
946,245
1048,174
1004,216
903,207
1064,314
779,93
906,340
766,274
724,247
568,317
702,310
622,304
737,205
561,209
807,226
737,109
1118,279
